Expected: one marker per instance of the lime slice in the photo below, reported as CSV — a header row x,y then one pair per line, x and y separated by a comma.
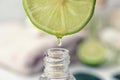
x,y
59,17
92,52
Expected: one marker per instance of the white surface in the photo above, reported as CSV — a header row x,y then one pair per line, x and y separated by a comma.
x,y
6,75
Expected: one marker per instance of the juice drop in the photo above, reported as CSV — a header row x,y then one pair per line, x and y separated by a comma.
x,y
59,42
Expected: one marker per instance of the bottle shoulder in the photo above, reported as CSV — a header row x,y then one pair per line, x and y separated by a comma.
x,y
44,77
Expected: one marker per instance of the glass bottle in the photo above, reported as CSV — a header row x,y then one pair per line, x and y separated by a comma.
x,y
57,65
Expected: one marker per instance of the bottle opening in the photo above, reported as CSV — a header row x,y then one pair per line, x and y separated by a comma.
x,y
57,53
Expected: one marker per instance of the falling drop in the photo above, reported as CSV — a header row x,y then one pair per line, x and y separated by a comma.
x,y
59,42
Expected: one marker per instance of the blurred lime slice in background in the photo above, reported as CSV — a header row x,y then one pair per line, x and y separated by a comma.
x,y
92,52
59,17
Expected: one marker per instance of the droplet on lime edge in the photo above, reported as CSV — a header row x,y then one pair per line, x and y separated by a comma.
x,y
59,42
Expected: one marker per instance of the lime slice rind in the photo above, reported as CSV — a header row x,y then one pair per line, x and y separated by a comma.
x,y
92,52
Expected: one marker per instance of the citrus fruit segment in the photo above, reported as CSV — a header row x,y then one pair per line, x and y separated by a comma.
x,y
92,52
59,17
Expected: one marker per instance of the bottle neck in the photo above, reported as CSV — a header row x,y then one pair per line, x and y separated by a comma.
x,y
56,63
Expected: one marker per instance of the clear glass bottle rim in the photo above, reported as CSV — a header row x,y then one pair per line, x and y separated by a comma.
x,y
57,51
